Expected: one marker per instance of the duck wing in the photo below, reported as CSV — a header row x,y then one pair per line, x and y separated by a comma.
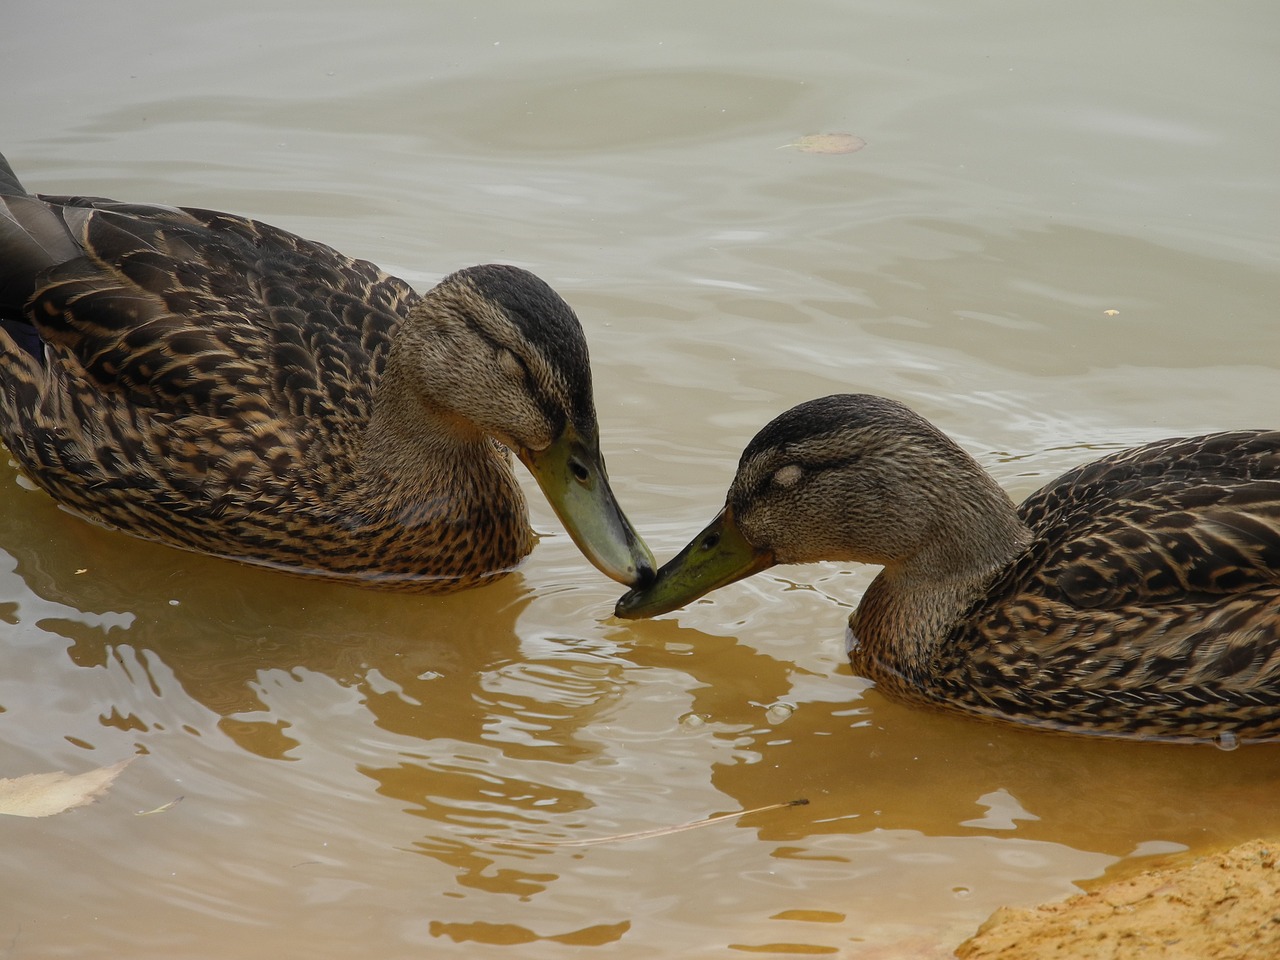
x,y
193,312
1148,603
1175,523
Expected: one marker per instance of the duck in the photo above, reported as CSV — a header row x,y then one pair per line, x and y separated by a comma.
x,y
1136,596
220,385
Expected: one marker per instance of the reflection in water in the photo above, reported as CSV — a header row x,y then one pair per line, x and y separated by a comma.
x,y
463,724
220,628
865,762
445,678
479,728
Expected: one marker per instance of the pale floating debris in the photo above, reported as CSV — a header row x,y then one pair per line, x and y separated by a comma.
x,y
779,712
1111,313
45,794
160,809
829,143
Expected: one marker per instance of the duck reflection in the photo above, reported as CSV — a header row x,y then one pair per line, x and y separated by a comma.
x,y
865,762
481,719
218,628
507,713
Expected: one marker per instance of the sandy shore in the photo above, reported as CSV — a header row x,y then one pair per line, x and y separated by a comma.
x,y
1224,906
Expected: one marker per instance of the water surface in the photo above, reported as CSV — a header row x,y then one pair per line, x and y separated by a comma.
x,y
1059,239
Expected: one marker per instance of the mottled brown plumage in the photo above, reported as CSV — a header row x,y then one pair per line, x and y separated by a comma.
x,y
221,385
1138,595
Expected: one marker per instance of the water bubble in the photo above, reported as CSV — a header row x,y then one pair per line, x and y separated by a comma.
x,y
1226,741
693,721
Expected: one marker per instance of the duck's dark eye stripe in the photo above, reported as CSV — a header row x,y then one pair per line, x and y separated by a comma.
x,y
839,463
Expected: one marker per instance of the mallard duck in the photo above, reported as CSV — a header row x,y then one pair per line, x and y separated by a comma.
x,y
1138,595
219,384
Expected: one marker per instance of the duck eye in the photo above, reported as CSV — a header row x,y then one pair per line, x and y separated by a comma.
x,y
788,476
511,364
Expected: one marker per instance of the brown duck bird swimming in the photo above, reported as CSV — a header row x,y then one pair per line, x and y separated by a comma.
x,y
222,385
1138,595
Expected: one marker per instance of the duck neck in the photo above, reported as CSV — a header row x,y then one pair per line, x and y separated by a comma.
x,y
900,627
425,464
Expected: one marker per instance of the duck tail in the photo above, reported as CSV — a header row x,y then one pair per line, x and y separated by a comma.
x,y
10,185
34,238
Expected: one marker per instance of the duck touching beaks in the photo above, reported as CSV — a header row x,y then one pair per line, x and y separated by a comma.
x,y
1138,595
218,384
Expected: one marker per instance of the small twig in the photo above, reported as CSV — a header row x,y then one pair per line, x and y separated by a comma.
x,y
160,809
646,834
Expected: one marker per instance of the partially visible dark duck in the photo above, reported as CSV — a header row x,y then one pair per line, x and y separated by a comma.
x,y
1138,595
219,384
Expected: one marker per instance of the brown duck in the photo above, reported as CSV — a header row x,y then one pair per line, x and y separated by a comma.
x,y
219,384
1138,595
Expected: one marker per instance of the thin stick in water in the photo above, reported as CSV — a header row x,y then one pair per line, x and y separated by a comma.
x,y
646,834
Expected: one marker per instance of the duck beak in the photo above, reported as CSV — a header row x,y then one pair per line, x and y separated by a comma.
x,y
572,476
717,556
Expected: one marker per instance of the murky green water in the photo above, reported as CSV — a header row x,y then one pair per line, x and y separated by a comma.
x,y
353,765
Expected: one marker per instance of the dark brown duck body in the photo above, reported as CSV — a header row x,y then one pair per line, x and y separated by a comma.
x,y
1146,603
1138,595
221,385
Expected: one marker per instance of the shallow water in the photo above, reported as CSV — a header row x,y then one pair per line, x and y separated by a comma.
x,y
359,770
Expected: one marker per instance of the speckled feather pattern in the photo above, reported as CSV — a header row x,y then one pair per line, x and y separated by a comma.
x,y
207,381
1147,603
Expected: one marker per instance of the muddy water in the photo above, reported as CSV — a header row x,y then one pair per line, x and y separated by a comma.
x,y
1059,239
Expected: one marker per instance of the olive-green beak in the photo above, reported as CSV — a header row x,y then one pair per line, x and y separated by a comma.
x,y
717,556
572,476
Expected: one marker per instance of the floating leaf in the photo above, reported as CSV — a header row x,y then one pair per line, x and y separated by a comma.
x,y
44,794
829,143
